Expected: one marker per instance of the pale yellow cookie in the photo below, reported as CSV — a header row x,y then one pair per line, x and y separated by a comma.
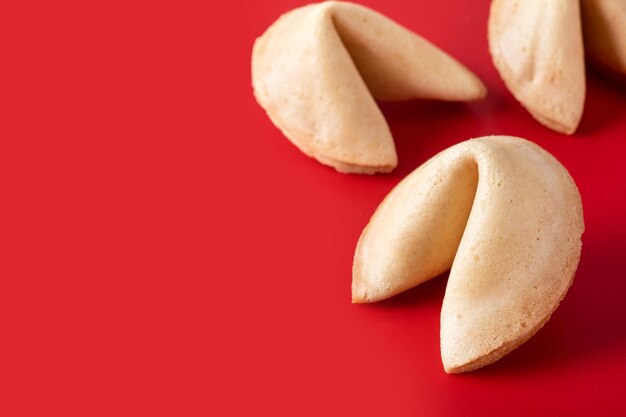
x,y
537,47
504,217
318,70
604,29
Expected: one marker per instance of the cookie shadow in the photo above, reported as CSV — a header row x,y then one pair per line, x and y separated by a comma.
x,y
604,101
425,294
422,128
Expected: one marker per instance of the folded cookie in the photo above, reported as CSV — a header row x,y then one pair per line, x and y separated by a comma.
x,y
504,217
537,47
318,70
604,29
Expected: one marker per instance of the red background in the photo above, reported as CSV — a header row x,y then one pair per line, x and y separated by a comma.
x,y
167,251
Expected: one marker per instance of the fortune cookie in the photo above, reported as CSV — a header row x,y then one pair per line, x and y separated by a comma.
x,y
537,47
318,70
504,217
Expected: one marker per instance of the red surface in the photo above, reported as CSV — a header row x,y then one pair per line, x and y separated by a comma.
x,y
167,251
